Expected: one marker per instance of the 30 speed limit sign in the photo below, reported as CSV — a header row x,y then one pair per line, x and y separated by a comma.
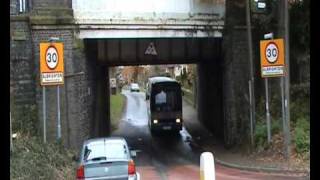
x,y
272,52
52,57
51,64
272,58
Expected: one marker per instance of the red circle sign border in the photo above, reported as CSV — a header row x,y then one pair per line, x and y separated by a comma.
x,y
45,58
277,52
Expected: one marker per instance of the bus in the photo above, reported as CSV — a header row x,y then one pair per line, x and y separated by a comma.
x,y
164,102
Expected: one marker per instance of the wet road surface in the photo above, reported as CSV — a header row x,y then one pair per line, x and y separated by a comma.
x,y
168,156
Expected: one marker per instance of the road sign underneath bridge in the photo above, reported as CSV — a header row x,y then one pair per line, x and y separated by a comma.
x,y
151,50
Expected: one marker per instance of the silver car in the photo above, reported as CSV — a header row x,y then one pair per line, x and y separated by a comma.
x,y
106,158
134,87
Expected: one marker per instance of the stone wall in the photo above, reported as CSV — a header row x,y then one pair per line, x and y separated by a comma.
x,y
99,82
21,67
80,97
13,7
209,83
235,74
77,95
84,99
22,84
51,3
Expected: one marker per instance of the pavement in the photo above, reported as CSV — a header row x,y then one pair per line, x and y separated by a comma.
x,y
234,158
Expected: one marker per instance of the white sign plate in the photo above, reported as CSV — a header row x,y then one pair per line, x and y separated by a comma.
x,y
272,70
48,78
113,82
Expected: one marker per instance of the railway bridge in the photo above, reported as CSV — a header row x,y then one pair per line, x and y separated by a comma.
x,y
99,34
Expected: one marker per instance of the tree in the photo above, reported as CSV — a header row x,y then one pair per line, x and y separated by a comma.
x,y
300,40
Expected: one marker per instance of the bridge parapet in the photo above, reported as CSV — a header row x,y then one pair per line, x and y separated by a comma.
x,y
165,18
100,8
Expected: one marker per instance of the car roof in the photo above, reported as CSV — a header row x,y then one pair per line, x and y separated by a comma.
x,y
161,79
104,139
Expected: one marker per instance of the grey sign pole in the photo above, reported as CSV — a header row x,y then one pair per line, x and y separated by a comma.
x,y
251,118
283,110
268,117
287,137
44,113
56,39
11,145
268,110
58,108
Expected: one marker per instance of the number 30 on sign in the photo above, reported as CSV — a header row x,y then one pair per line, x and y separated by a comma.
x,y
52,57
51,64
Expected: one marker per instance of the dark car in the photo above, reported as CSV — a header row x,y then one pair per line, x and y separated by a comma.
x,y
106,158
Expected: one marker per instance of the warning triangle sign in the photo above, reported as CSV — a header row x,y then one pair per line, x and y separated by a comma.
x,y
151,50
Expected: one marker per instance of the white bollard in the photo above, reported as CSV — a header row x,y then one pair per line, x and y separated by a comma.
x,y
207,169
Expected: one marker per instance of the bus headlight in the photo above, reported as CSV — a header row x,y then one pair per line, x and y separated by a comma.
x,y
178,120
155,121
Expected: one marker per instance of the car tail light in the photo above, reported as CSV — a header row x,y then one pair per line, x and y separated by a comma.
x,y
131,167
80,173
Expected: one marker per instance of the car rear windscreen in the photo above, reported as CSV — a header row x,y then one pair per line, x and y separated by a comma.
x,y
108,150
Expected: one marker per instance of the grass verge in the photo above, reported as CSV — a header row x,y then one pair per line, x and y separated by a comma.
x,y
32,159
117,103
